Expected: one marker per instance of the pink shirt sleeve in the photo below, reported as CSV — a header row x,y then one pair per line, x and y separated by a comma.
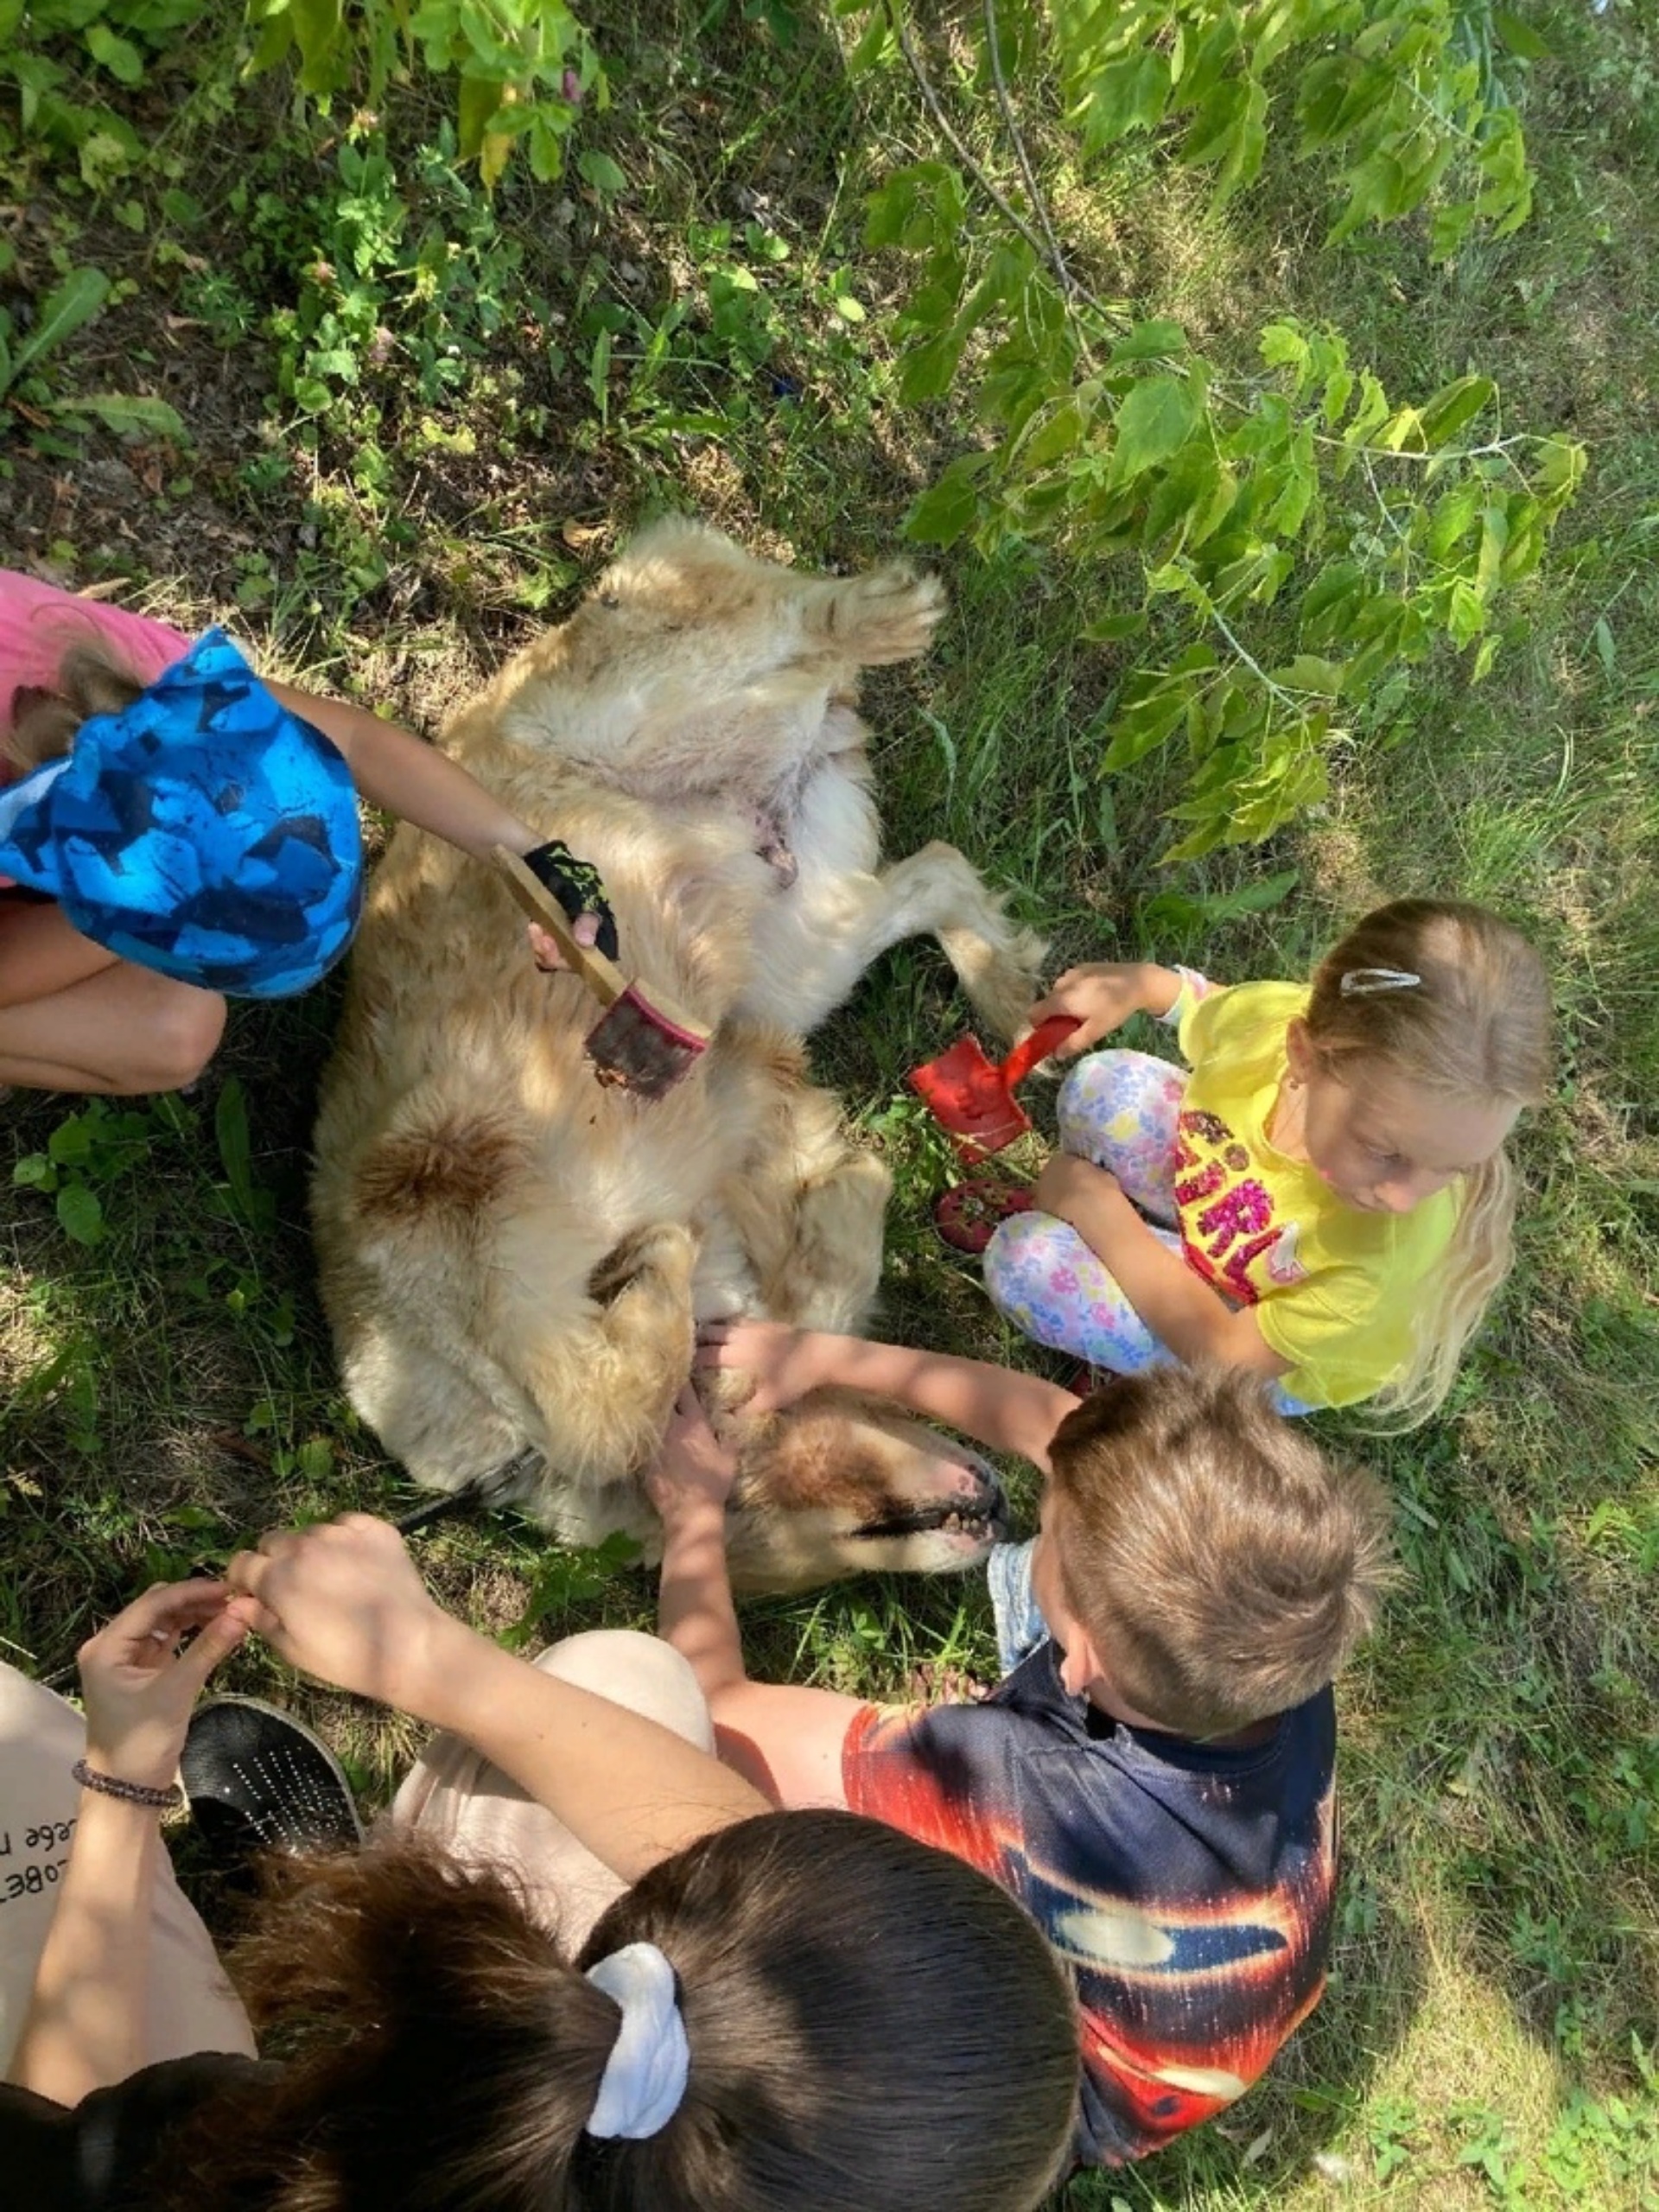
x,y
39,624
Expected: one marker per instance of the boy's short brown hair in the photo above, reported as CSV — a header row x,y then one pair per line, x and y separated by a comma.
x,y
1224,1567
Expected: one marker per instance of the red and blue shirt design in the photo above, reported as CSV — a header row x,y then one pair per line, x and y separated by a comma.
x,y
1189,1886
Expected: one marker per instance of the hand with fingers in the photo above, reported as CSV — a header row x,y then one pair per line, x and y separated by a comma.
x,y
578,887
694,1470
1100,997
1073,1189
139,1682
344,1602
780,1359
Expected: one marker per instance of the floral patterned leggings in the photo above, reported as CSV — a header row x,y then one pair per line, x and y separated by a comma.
x,y
1119,1110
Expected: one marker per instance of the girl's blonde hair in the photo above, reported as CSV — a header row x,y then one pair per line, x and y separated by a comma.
x,y
1475,1026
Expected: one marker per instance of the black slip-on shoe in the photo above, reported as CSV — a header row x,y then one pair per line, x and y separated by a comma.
x,y
259,1780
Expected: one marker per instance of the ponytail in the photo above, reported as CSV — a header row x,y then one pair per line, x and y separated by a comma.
x,y
870,2025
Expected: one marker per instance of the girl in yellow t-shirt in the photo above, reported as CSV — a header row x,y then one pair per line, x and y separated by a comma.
x,y
1325,1198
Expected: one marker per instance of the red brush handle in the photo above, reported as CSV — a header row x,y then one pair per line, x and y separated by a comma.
x,y
1047,1037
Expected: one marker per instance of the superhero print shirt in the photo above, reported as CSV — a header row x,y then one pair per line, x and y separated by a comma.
x,y
1189,1887
1335,1290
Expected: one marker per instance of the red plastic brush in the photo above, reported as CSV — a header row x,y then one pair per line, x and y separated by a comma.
x,y
644,1045
973,1097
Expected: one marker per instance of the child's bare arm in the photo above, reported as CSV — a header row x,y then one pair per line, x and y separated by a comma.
x,y
1101,997
998,1406
689,1486
784,1740
1179,1307
395,770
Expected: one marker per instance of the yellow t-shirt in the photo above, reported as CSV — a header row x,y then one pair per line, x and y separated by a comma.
x,y
1335,1290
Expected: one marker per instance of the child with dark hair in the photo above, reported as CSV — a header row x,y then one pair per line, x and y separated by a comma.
x,y
1155,1781
182,830
775,2012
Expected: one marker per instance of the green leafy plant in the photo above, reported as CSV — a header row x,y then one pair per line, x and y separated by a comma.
x,y
524,67
85,1154
49,48
1277,544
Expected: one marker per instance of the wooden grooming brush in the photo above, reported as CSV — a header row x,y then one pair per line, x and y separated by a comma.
x,y
643,1046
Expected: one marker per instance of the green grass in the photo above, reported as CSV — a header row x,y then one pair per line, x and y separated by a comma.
x,y
1489,2035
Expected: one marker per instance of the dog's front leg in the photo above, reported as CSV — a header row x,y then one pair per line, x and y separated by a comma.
x,y
604,1389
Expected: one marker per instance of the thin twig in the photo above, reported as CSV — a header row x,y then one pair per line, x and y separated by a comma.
x,y
936,109
1067,283
1251,663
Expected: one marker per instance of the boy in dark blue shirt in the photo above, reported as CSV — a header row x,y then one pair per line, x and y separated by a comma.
x,y
1155,1780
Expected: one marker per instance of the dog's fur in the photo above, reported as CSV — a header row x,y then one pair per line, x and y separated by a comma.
x,y
512,1256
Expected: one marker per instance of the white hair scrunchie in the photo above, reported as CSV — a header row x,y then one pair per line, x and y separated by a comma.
x,y
644,2077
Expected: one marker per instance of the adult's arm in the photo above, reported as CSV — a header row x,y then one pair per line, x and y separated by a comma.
x,y
344,1602
84,2029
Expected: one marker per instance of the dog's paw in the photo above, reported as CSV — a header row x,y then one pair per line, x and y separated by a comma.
x,y
662,1249
889,615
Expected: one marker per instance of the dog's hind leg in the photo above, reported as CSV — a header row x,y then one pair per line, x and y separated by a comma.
x,y
812,951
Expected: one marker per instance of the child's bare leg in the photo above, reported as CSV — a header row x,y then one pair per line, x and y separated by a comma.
x,y
125,1030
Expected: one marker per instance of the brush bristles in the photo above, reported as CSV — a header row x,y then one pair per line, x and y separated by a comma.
x,y
639,1050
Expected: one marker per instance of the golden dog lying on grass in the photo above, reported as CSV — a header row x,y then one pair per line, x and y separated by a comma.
x,y
514,1258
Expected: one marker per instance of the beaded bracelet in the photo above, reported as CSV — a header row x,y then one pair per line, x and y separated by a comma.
x,y
129,1793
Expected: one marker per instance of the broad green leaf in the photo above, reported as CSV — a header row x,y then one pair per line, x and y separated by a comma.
x,y
1154,422
1465,613
1222,115
116,54
71,1141
477,99
1282,345
80,1214
1454,405
127,416
1148,341
606,176
1493,537
1107,629
1519,38
948,509
1145,727
65,308
1308,672
1127,95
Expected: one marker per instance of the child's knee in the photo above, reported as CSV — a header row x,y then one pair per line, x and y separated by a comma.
x,y
1093,1097
176,1032
1019,1262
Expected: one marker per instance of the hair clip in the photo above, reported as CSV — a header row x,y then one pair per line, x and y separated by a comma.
x,y
1362,982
